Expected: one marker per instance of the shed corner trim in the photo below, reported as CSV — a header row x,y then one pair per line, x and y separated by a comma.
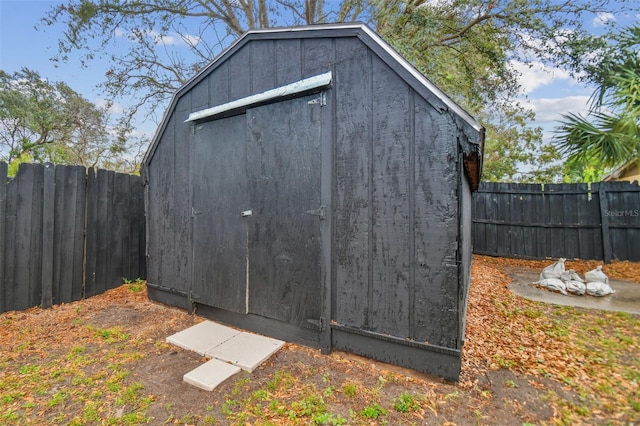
x,y
301,86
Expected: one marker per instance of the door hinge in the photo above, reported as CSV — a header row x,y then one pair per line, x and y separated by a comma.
x,y
320,212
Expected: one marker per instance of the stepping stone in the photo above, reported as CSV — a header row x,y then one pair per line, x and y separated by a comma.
x,y
210,374
246,350
202,337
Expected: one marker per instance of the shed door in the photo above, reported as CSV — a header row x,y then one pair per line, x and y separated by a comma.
x,y
219,185
283,165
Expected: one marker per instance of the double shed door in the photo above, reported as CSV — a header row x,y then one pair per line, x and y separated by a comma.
x,y
256,206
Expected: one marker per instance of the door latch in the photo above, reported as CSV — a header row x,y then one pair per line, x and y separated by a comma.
x,y
321,212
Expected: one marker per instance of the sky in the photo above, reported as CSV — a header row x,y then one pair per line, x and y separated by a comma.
x,y
549,92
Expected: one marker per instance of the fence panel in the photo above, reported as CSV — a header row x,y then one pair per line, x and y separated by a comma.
x,y
3,216
115,230
65,234
597,221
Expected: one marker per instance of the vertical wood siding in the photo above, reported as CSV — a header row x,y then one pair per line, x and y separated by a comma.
x,y
353,121
219,195
436,225
396,206
283,166
597,221
388,298
66,233
394,185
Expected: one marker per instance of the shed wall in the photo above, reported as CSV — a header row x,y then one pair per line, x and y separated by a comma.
x,y
169,248
396,178
466,250
168,210
394,195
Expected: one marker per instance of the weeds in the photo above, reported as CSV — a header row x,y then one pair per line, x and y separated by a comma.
x,y
349,389
373,411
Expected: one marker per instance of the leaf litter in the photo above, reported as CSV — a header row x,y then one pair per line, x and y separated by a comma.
x,y
523,361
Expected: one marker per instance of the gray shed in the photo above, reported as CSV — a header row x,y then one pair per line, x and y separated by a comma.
x,y
311,185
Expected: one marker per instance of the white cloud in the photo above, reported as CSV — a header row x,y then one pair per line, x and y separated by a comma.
x,y
536,75
173,39
603,18
191,40
112,107
119,32
550,110
165,40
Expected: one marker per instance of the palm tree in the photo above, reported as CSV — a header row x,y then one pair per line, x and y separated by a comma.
x,y
610,135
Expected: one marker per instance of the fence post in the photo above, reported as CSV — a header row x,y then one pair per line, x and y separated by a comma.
x,y
48,215
3,219
604,222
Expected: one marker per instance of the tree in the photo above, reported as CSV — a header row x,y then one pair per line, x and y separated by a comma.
x,y
610,134
467,47
43,121
154,33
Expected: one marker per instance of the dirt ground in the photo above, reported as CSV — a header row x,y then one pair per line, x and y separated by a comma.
x,y
500,396
496,387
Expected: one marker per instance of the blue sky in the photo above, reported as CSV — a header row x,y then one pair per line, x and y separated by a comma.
x,y
21,45
550,92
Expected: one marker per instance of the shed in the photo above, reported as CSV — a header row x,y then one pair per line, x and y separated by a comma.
x,y
311,185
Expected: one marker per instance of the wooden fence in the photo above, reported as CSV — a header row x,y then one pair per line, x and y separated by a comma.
x,y
67,232
586,221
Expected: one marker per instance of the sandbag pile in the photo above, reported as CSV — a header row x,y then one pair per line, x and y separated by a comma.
x,y
598,283
555,278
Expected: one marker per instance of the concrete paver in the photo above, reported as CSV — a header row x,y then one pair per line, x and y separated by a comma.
x,y
231,350
246,350
210,374
202,337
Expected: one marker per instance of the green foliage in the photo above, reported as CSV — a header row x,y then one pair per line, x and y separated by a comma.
x,y
610,134
468,48
43,121
349,390
159,53
329,419
405,402
373,411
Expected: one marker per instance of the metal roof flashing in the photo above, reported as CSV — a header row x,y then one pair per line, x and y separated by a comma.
x,y
298,87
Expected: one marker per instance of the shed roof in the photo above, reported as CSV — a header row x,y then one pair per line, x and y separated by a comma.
x,y
472,146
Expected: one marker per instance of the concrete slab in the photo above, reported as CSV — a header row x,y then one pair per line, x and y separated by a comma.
x,y
210,374
625,299
202,337
246,350
231,351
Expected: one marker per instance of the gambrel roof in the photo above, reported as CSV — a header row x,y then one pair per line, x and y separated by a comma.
x,y
471,145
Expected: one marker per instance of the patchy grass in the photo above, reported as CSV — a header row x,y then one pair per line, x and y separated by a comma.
x,y
523,363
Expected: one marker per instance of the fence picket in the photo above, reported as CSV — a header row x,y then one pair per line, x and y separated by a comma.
x,y
45,213
3,220
48,220
597,221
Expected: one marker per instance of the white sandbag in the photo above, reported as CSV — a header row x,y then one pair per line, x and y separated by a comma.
x,y
575,287
596,276
571,275
553,284
599,289
554,270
